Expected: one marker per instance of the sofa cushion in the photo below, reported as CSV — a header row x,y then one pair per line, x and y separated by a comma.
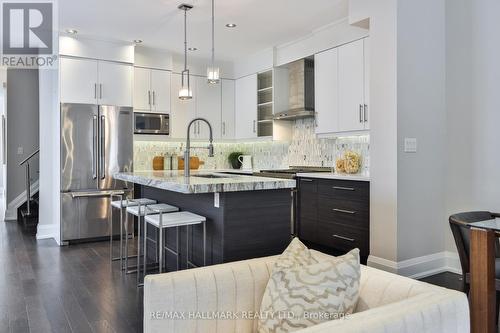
x,y
303,291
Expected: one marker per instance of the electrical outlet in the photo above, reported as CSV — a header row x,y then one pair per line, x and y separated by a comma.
x,y
216,200
410,145
20,150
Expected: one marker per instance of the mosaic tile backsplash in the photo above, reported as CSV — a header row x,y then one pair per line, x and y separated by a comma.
x,y
305,149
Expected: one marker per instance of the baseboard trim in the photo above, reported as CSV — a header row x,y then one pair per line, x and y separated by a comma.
x,y
47,232
419,267
11,211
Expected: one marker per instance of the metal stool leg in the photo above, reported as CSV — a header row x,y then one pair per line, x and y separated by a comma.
x,y
120,197
145,248
187,247
160,242
139,246
177,247
204,243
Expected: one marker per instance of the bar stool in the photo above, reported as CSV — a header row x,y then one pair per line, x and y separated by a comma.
x,y
175,220
121,204
141,211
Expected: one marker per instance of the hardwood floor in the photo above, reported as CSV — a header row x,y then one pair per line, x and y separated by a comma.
x,y
47,288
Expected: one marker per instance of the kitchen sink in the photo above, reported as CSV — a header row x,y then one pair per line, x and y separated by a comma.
x,y
213,176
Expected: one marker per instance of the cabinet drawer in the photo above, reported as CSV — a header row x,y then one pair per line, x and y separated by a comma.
x,y
343,238
346,212
345,189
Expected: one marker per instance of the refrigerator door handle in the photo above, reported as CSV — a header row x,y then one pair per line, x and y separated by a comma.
x,y
94,147
102,153
95,194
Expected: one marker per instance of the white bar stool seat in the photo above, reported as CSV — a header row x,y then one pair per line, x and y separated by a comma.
x,y
151,209
140,211
175,220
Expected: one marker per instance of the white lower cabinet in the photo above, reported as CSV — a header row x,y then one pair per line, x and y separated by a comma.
x,y
246,107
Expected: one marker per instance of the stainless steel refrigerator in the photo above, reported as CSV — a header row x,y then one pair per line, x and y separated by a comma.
x,y
96,142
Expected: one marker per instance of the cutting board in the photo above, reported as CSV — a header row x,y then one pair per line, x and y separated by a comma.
x,y
194,163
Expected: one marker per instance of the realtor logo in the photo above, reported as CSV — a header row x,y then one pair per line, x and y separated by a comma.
x,y
27,27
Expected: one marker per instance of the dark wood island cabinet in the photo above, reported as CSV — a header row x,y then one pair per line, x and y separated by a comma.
x,y
334,215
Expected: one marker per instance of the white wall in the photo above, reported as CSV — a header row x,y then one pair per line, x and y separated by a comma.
x,y
383,127
472,90
22,132
421,115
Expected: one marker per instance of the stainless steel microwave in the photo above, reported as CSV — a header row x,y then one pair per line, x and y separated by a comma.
x,y
151,123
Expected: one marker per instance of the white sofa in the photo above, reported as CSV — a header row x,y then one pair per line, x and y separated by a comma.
x,y
196,300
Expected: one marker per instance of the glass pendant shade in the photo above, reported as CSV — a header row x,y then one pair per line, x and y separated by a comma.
x,y
213,74
185,92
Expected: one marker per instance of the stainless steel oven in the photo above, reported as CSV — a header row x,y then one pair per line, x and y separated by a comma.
x,y
151,123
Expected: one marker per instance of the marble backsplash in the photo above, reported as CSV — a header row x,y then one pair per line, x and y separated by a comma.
x,y
305,149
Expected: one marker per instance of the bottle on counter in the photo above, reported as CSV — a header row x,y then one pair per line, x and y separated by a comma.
x,y
174,165
168,161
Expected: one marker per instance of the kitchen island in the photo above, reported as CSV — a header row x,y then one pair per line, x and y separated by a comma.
x,y
247,216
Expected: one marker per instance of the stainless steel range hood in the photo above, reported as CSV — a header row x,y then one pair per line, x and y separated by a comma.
x,y
300,91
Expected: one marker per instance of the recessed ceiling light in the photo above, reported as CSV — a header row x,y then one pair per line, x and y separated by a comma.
x,y
71,31
192,49
138,41
231,25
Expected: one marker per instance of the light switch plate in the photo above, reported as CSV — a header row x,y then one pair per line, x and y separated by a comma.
x,y
410,145
20,150
216,200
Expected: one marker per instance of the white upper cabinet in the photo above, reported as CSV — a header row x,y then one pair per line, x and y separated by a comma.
x,y
152,90
326,90
208,106
246,107
228,104
115,83
160,87
351,86
78,81
367,83
142,89
182,111
95,82
342,88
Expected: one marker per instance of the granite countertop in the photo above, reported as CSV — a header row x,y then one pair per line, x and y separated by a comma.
x,y
329,175
176,182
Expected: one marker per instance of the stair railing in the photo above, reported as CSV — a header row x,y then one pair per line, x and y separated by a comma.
x,y
26,163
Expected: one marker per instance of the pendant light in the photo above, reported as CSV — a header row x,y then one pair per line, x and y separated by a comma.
x,y
213,72
185,92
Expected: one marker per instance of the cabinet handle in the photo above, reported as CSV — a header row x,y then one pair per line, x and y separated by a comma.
x,y
223,128
149,97
95,90
344,211
343,188
254,126
360,113
365,116
307,180
100,90
344,238
154,98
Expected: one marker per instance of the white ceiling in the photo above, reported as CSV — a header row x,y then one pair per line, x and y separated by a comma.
x,y
261,23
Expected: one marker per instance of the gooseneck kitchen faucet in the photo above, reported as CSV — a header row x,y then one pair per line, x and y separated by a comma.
x,y
188,145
